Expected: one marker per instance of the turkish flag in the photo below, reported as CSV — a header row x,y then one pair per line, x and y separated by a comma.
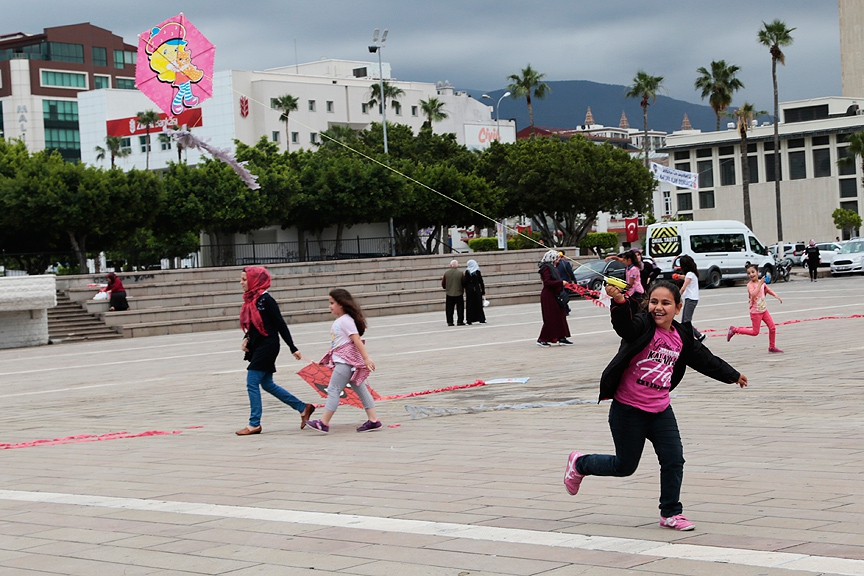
x,y
632,227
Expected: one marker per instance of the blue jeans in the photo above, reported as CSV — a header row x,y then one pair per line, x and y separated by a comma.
x,y
630,428
256,378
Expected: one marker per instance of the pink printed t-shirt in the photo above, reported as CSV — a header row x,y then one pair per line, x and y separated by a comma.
x,y
647,380
634,278
757,291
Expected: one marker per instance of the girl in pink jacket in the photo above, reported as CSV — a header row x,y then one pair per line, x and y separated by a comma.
x,y
757,290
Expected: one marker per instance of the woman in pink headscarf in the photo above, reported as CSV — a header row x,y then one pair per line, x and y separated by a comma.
x,y
263,323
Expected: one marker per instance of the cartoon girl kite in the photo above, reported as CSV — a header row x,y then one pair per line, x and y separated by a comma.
x,y
171,59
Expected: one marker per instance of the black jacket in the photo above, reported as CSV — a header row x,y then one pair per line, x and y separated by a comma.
x,y
637,330
263,350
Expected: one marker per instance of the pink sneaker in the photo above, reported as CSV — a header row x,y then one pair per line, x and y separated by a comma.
x,y
677,522
730,333
775,350
572,478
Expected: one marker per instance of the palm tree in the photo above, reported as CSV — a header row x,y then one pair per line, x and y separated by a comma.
x,y
148,119
718,86
114,148
855,150
523,86
391,93
744,121
645,87
433,109
286,104
776,35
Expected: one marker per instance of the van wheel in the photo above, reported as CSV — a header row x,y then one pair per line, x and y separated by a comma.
x,y
714,278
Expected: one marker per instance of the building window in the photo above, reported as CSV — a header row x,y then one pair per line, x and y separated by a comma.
x,y
100,56
123,57
63,52
753,165
397,108
769,168
685,201
311,105
64,79
727,172
667,203
704,153
60,110
101,82
706,199
795,143
848,188
313,137
686,217
705,168
66,140
124,83
682,155
142,141
726,150
844,169
797,165
821,163
414,111
853,206
820,141
295,137
275,136
684,167
364,108
329,106
126,144
165,141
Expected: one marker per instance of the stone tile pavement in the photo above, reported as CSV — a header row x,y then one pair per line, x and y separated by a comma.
x,y
461,483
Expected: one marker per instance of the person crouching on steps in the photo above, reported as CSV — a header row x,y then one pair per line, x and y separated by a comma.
x,y
654,354
263,323
349,360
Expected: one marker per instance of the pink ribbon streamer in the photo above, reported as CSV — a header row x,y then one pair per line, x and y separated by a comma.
x,y
80,438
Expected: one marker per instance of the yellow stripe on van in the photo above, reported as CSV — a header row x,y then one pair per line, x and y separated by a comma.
x,y
665,241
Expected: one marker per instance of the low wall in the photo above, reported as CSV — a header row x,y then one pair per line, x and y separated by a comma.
x,y
24,303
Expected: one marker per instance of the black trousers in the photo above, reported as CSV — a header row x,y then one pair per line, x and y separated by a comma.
x,y
458,303
630,428
812,270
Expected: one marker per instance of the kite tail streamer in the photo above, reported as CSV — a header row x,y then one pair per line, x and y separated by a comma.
x,y
189,140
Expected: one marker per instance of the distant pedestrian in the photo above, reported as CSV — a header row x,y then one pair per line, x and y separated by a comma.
x,y
475,292
756,290
565,269
690,291
117,293
648,270
655,352
452,283
349,360
813,259
632,275
263,323
555,328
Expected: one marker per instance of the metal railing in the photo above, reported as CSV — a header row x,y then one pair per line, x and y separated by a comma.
x,y
311,250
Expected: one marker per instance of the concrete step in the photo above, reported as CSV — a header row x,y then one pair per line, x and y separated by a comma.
x,y
70,322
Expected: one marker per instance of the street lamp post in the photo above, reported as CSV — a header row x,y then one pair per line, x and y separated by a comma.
x,y
498,137
376,47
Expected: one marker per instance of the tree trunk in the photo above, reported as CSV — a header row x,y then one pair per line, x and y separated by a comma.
x,y
530,115
337,249
301,245
583,228
80,249
717,113
645,133
147,157
745,180
777,157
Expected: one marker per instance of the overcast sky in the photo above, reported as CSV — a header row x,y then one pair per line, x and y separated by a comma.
x,y
477,44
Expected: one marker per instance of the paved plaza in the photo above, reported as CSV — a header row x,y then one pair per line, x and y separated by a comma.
x,y
458,483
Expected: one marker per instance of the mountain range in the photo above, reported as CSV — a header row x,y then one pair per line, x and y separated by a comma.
x,y
568,101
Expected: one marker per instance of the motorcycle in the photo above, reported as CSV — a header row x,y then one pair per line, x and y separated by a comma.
x,y
782,270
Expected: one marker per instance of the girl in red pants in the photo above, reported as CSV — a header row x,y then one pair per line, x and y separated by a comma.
x,y
757,289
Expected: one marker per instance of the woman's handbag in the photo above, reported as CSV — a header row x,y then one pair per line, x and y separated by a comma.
x,y
563,298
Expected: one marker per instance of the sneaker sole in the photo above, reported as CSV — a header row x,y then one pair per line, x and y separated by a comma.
x,y
317,430
369,429
571,466
687,529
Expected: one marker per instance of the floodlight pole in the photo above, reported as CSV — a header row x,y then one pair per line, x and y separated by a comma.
x,y
376,47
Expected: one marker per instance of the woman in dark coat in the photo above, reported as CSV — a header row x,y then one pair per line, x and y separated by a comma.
x,y
555,328
115,288
263,323
475,290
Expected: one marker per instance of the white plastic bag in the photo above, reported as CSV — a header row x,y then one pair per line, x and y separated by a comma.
x,y
485,302
102,296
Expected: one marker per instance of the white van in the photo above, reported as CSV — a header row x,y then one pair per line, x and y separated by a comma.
x,y
720,248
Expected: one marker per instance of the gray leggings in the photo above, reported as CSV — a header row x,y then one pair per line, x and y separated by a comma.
x,y
338,381
687,314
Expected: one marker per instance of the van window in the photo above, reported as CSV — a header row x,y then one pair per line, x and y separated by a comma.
x,y
703,243
756,247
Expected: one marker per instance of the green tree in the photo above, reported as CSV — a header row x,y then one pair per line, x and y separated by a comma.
x,y
530,82
853,151
113,148
718,85
433,109
391,93
148,119
285,104
646,88
846,220
744,121
775,36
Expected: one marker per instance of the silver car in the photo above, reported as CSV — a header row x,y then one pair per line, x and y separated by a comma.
x,y
850,259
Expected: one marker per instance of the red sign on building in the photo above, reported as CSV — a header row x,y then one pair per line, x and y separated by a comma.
x,y
125,127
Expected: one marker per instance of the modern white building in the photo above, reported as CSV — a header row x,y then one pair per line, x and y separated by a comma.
x,y
329,93
813,136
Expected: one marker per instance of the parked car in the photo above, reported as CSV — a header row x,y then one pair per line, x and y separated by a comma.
x,y
590,274
794,252
827,252
850,259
